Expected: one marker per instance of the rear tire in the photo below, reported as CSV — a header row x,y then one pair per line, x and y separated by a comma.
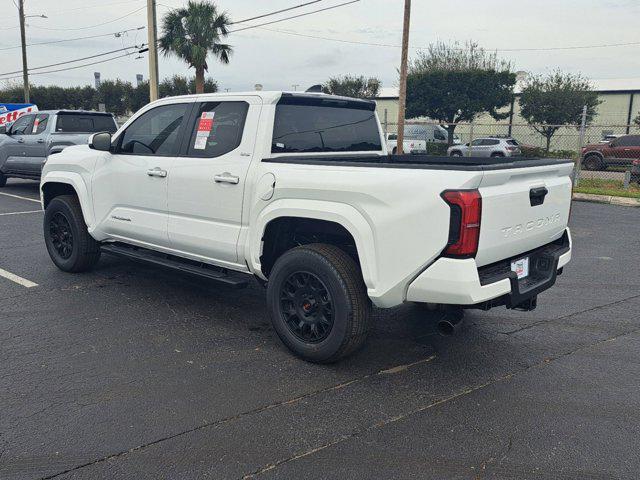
x,y
497,155
318,303
3,180
68,242
592,162
394,151
456,153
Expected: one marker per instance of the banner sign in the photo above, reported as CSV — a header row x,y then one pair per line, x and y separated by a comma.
x,y
10,112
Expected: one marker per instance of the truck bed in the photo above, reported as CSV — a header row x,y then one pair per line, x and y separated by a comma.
x,y
426,162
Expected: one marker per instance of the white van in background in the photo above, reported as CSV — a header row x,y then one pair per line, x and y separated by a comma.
x,y
416,137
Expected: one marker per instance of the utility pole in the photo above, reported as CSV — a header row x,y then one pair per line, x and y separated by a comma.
x,y
23,41
402,95
152,32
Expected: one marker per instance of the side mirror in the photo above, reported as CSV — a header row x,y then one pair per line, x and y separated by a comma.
x,y
466,144
100,141
3,129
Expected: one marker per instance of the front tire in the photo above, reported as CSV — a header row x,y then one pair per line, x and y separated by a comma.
x,y
68,242
318,303
3,180
456,153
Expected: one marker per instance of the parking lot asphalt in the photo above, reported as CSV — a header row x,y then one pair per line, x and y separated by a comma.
x,y
131,371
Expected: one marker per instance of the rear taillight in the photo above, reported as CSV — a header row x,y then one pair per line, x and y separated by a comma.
x,y
464,224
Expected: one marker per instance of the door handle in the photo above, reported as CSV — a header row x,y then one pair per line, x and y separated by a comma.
x,y
226,177
21,140
41,140
157,172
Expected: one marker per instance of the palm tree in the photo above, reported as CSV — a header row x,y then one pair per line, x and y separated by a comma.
x,y
193,33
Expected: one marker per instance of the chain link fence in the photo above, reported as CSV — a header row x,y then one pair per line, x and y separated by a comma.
x,y
607,157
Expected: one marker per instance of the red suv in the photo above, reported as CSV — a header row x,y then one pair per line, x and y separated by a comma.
x,y
619,152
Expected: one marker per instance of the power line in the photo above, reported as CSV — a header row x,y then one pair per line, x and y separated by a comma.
x,y
77,38
96,25
295,16
526,49
96,5
75,67
276,12
77,59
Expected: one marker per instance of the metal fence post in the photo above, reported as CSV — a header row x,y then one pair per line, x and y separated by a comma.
x,y
386,125
470,138
583,125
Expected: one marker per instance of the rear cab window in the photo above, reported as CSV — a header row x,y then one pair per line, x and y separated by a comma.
x,y
85,123
512,142
313,123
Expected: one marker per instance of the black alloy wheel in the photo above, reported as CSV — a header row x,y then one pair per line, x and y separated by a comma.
x,y
61,235
306,307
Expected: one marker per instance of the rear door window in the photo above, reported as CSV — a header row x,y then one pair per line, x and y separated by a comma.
x,y
40,124
85,123
308,125
218,128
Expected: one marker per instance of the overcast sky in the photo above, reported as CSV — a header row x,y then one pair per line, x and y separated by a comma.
x,y
279,60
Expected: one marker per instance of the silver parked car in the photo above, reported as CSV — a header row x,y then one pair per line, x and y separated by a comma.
x,y
26,144
487,147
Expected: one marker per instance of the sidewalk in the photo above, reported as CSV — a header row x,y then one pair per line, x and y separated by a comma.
x,y
624,201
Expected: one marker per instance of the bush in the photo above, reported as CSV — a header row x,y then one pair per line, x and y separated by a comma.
x,y
439,149
539,152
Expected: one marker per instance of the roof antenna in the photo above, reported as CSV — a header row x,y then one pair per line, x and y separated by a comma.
x,y
314,89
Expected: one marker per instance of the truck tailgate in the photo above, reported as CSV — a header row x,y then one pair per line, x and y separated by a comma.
x,y
522,209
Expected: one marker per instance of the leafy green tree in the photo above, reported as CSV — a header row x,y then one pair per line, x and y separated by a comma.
x,y
195,32
210,85
549,102
176,85
352,86
138,97
115,95
451,83
637,120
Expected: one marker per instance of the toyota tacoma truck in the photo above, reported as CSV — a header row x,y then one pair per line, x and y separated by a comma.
x,y
297,190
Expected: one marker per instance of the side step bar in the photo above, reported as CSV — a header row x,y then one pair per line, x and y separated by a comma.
x,y
211,272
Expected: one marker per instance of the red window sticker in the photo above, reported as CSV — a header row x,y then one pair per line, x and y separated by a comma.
x,y
205,125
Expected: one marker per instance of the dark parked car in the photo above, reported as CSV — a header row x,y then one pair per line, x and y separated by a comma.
x,y
619,152
26,144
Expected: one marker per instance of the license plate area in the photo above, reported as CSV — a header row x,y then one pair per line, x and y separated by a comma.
x,y
520,267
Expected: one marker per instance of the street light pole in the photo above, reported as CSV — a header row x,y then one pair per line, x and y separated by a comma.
x,y
402,94
152,33
23,41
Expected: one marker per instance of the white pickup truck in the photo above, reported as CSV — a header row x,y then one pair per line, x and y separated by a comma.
x,y
297,190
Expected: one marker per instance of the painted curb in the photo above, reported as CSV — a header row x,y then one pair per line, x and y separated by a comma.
x,y
622,201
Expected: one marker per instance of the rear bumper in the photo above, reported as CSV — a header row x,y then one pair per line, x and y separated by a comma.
x,y
461,282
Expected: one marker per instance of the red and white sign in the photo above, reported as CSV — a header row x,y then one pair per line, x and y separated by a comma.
x,y
7,118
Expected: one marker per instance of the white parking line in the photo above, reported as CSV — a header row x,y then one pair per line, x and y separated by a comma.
x,y
15,278
21,198
20,213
